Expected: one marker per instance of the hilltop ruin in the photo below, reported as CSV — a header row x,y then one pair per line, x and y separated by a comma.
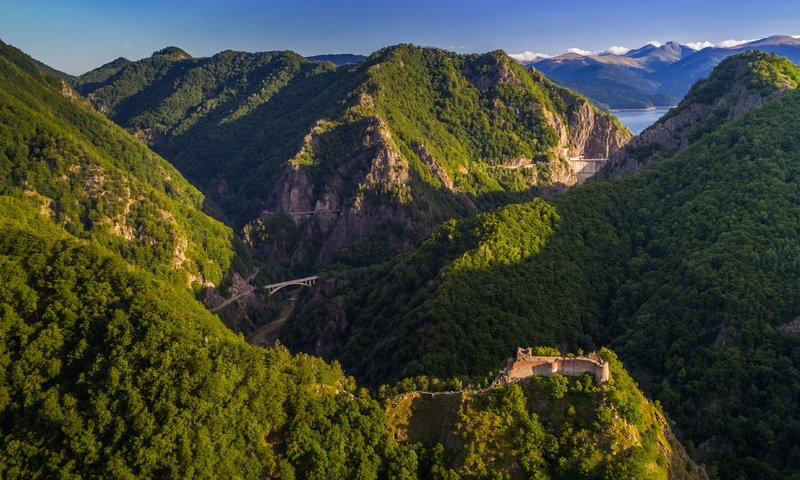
x,y
526,365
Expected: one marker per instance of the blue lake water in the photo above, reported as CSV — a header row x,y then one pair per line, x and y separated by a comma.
x,y
638,120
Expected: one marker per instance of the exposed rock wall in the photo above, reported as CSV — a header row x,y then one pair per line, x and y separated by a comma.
x,y
362,193
383,188
378,184
592,134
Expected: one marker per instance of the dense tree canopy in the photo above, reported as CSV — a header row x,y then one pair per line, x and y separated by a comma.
x,y
689,271
559,428
110,368
99,182
108,371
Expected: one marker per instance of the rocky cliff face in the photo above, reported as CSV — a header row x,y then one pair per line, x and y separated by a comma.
x,y
364,191
737,85
589,133
677,131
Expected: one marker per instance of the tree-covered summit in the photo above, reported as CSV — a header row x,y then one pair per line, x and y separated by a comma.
x,y
174,53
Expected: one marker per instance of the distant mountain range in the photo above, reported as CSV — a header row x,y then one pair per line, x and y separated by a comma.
x,y
652,75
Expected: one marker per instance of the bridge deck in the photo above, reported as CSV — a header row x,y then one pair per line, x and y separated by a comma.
x,y
297,281
233,299
272,288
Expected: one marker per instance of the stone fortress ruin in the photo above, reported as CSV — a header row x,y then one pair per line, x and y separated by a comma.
x,y
526,365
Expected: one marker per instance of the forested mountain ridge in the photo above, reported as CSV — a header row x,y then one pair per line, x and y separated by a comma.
x,y
338,58
383,150
110,368
688,270
111,372
739,83
94,78
99,183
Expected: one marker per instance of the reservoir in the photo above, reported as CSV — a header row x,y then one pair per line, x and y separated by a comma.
x,y
638,120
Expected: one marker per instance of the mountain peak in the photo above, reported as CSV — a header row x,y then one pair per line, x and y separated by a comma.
x,y
117,62
338,58
752,70
173,53
771,41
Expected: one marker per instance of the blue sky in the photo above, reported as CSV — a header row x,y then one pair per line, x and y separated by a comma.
x,y
77,35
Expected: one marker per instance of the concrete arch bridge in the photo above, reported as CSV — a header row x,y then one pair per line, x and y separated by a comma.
x,y
271,288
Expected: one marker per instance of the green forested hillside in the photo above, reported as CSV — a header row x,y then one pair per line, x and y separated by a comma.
x,y
110,372
109,368
107,371
557,427
689,271
398,143
91,177
94,78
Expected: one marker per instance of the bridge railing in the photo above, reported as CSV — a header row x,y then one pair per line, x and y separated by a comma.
x,y
304,282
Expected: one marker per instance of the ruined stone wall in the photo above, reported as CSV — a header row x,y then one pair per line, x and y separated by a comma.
x,y
527,365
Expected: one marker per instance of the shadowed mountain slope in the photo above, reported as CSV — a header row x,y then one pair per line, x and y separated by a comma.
x,y
109,371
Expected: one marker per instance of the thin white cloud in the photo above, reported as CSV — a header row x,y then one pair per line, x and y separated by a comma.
x,y
795,36
654,43
730,43
615,50
733,43
699,45
528,56
579,51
